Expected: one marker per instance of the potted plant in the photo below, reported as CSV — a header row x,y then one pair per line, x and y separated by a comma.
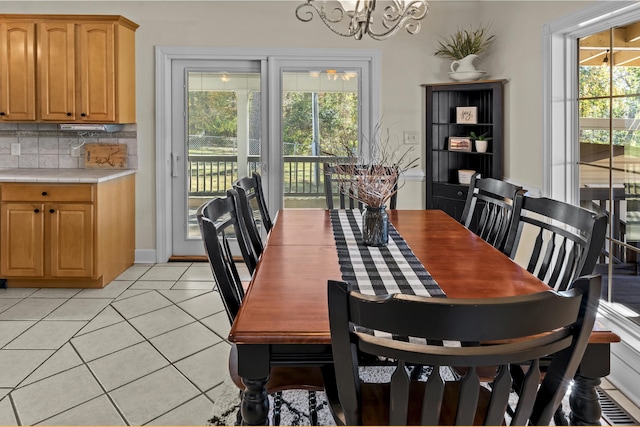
x,y
463,47
481,141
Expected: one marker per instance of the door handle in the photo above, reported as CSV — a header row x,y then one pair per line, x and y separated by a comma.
x,y
174,165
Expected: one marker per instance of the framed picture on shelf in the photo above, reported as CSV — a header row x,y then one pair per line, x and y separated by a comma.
x,y
459,143
467,115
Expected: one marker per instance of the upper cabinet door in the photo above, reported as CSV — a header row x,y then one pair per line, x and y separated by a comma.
x,y
67,68
17,78
57,72
96,58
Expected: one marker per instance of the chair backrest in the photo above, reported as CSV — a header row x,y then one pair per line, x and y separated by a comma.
x,y
219,220
506,330
334,186
251,198
496,197
557,240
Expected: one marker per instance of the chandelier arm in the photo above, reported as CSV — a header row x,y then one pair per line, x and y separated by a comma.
x,y
394,17
336,15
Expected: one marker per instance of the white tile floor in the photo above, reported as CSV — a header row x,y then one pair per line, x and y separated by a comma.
x,y
149,348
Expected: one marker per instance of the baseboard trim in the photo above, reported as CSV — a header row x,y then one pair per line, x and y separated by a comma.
x,y
188,258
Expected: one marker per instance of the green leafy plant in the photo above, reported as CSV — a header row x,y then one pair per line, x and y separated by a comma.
x,y
482,137
465,42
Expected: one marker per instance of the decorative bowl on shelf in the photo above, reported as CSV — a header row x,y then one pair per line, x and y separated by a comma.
x,y
466,76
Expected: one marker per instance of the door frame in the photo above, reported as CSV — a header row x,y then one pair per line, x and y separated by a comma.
x,y
164,55
561,151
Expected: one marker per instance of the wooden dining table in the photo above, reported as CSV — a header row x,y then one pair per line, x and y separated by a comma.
x,y
284,320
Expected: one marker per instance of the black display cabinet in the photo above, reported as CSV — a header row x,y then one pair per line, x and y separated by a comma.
x,y
453,112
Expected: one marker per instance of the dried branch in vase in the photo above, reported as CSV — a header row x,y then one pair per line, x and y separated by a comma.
x,y
374,178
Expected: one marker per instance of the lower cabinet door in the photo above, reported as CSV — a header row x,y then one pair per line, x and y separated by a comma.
x,y
22,239
71,233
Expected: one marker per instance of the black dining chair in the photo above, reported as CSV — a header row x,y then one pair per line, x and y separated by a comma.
x,y
219,221
508,330
251,197
488,209
337,184
559,241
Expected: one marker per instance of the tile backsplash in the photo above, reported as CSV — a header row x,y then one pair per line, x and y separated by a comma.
x,y
44,145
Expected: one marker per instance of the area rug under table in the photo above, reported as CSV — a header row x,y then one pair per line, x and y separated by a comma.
x,y
295,405
294,412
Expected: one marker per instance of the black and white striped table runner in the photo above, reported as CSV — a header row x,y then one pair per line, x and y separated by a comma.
x,y
378,270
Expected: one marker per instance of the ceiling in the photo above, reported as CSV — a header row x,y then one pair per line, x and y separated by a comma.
x,y
626,47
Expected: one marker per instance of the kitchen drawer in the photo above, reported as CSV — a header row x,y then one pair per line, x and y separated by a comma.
x,y
47,192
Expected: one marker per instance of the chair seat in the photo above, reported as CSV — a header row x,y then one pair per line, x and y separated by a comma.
x,y
375,396
281,378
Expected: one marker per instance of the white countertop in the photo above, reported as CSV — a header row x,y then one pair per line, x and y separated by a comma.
x,y
62,175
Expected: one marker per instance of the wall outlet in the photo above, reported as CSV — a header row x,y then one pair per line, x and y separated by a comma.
x,y
15,149
410,137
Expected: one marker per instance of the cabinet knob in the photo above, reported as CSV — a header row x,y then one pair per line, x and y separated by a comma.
x,y
83,115
44,193
36,210
2,113
52,210
68,114
459,193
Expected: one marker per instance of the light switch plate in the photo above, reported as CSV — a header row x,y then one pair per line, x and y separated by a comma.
x,y
410,137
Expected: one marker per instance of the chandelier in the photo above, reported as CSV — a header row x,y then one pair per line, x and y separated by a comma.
x,y
355,18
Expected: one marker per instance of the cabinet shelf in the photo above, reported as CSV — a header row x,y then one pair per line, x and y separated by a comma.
x,y
443,190
473,153
462,124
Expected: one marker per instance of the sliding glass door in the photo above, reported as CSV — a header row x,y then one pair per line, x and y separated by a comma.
x,y
320,110
609,165
280,116
216,139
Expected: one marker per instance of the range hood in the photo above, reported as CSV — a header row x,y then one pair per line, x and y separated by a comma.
x,y
91,127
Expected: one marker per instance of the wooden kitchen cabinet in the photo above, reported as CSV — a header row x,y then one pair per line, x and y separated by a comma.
x,y
26,229
84,68
17,71
56,71
66,235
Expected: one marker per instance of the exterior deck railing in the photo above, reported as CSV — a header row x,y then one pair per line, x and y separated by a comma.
x,y
213,175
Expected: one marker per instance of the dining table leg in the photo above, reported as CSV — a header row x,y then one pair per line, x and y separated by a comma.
x,y
583,400
255,403
253,367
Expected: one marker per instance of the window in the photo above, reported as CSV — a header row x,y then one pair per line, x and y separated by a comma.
x,y
562,155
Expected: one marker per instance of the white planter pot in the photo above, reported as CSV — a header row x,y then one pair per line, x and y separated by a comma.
x,y
481,145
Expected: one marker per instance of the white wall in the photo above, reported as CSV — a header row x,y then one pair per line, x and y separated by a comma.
x,y
408,62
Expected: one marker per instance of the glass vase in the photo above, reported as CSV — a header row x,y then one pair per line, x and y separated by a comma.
x,y
375,226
